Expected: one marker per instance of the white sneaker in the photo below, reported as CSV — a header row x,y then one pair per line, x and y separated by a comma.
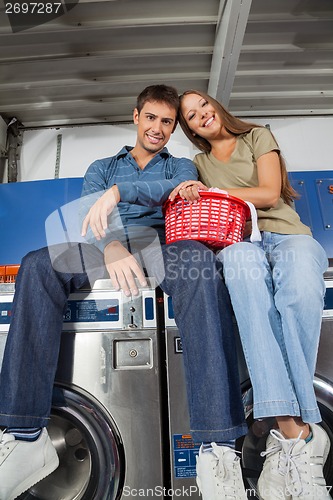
x,y
296,471
23,463
219,474
272,480
305,479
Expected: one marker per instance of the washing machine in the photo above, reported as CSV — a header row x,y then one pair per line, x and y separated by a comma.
x,y
183,450
107,413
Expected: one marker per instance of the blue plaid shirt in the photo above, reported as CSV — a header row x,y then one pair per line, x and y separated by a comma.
x,y
142,192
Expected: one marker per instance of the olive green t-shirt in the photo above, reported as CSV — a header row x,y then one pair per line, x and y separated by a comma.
x,y
241,172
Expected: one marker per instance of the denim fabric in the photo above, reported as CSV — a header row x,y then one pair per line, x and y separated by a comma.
x,y
277,291
33,342
203,315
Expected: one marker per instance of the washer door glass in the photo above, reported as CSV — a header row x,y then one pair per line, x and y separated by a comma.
x,y
89,448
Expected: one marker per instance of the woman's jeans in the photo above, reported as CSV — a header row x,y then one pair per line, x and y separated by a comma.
x,y
277,290
203,315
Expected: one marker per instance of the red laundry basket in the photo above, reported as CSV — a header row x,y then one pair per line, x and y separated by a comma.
x,y
216,219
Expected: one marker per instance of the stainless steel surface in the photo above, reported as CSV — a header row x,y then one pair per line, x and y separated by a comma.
x,y
179,418
184,477
120,369
325,352
106,418
89,449
87,66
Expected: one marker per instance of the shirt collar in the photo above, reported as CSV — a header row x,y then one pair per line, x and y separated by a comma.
x,y
126,149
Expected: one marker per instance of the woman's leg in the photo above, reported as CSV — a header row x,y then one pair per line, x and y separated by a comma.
x,y
298,263
277,293
248,278
290,307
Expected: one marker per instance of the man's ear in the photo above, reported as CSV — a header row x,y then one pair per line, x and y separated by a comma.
x,y
136,116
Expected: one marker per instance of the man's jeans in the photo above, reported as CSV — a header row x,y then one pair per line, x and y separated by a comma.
x,y
277,290
203,315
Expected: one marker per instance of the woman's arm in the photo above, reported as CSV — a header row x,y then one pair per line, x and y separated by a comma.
x,y
268,191
265,195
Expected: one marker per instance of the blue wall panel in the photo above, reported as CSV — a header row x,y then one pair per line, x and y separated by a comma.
x,y
34,214
24,209
315,205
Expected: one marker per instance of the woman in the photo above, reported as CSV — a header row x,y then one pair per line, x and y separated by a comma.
x,y
277,291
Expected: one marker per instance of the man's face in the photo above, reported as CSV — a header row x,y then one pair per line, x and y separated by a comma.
x,y
155,124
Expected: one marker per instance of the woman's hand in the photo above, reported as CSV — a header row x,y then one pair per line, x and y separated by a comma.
x,y
188,190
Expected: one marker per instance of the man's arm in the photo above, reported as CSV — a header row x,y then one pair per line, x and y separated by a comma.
x,y
121,265
153,193
97,217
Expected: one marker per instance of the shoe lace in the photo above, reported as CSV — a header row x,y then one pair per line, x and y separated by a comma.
x,y
276,448
229,470
294,480
293,467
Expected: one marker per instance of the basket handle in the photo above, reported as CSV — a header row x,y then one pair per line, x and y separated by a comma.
x,y
255,233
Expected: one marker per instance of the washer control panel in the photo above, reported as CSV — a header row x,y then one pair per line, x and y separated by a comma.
x,y
96,308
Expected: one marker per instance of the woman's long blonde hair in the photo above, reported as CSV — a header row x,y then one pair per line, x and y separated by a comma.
x,y
234,126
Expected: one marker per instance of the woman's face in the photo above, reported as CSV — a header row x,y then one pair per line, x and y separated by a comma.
x,y
200,116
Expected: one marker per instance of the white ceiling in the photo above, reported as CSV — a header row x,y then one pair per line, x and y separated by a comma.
x,y
259,57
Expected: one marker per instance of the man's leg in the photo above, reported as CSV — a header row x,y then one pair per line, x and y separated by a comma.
x,y
204,317
30,361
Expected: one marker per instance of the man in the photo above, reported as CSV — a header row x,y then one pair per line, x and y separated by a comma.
x,y
123,223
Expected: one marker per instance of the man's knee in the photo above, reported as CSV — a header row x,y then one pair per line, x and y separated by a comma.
x,y
35,258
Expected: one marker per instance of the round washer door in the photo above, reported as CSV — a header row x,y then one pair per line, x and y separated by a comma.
x,y
255,440
89,448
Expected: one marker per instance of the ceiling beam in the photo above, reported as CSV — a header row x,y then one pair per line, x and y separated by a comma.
x,y
233,17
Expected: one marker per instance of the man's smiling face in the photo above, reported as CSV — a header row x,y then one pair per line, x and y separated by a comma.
x,y
155,124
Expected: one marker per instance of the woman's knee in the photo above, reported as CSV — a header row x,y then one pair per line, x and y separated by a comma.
x,y
239,255
301,254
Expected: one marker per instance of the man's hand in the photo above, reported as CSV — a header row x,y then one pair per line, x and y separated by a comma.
x,y
188,190
97,217
123,268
